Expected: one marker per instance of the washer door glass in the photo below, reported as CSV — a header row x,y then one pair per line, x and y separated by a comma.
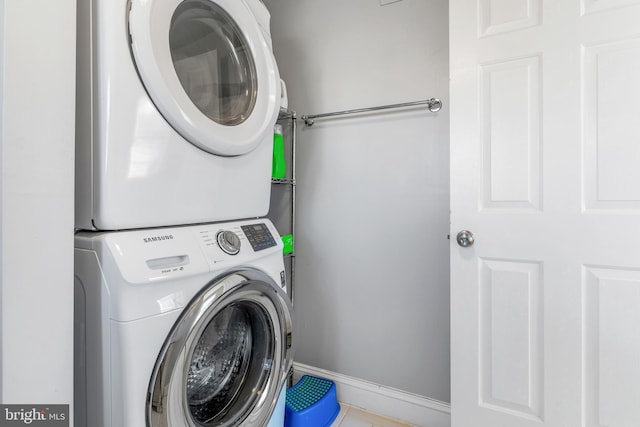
x,y
209,70
213,61
235,348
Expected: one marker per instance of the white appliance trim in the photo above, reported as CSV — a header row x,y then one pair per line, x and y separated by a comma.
x,y
387,401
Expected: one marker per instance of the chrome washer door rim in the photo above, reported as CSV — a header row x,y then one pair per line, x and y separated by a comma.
x,y
167,403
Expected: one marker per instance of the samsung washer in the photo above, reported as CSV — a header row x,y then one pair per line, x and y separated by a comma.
x,y
176,103
181,327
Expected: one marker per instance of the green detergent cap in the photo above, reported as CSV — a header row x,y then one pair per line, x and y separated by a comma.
x,y
287,240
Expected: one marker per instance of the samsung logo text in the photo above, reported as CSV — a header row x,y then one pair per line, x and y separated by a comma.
x,y
158,238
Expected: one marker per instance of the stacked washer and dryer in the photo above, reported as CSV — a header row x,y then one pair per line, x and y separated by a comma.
x,y
181,313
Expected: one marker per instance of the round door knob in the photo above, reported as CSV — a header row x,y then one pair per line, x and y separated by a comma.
x,y
465,238
229,242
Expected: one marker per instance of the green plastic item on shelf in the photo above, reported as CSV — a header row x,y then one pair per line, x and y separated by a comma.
x,y
287,240
279,169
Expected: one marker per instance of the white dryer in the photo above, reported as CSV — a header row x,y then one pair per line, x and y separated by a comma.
x,y
181,327
176,103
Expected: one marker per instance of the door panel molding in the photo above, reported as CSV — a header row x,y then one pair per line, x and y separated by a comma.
x,y
505,16
511,336
511,134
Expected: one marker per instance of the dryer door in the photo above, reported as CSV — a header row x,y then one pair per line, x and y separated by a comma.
x,y
208,69
226,358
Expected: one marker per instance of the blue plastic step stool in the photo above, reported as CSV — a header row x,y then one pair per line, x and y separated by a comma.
x,y
312,402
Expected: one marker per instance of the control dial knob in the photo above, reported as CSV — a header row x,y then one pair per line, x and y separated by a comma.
x,y
229,242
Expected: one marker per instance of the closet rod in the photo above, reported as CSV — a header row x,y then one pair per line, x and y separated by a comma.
x,y
433,104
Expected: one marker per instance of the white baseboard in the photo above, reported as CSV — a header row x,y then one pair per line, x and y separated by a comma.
x,y
387,401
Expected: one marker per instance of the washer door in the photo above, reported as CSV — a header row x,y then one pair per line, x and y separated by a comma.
x,y
226,358
208,69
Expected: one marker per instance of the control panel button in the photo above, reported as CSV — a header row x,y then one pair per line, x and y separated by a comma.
x,y
229,242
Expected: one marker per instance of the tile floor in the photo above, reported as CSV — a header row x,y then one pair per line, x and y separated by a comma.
x,y
351,416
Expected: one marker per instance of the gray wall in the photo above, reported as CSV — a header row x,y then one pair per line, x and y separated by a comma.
x,y
372,288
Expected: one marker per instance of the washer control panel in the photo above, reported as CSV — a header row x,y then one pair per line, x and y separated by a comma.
x,y
152,255
258,236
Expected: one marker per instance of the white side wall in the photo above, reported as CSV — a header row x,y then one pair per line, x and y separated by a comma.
x,y
372,279
37,99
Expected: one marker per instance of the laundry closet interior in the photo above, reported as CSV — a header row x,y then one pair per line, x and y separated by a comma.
x,y
371,242
372,193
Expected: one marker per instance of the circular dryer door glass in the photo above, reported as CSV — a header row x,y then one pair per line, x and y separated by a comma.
x,y
213,61
234,349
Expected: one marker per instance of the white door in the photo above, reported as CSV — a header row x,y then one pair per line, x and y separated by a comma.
x,y
545,148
